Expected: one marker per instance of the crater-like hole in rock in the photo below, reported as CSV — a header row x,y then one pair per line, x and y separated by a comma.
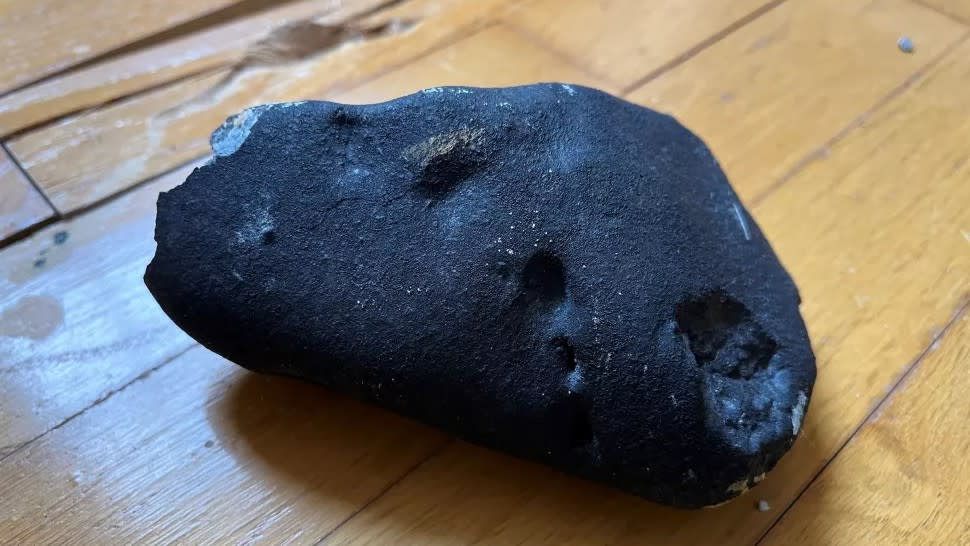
x,y
343,117
446,161
723,336
544,278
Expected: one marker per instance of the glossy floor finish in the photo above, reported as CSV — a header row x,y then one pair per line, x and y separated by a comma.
x,y
115,428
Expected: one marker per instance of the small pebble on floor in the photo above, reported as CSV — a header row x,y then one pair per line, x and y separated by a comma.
x,y
905,44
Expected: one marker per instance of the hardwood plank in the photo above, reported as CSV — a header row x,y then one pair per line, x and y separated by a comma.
x,y
21,205
905,478
472,62
201,452
76,321
624,40
780,87
209,49
882,264
90,156
44,36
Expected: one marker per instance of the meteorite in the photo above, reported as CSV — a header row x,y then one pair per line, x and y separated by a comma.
x,y
545,270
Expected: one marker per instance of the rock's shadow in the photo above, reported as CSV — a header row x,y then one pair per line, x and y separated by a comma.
x,y
327,450
305,441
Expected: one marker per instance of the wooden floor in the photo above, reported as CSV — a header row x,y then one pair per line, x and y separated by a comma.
x,y
116,428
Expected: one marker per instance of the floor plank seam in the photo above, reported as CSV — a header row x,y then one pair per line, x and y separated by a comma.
x,y
822,151
434,453
951,16
55,216
102,399
702,46
15,238
204,21
908,371
5,149
158,86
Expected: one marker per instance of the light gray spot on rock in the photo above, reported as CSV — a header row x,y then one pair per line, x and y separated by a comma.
x,y
798,412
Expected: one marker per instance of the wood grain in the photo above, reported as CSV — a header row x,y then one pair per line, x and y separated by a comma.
x,y
881,263
200,452
472,62
156,131
794,78
41,37
76,321
624,40
122,75
21,205
905,478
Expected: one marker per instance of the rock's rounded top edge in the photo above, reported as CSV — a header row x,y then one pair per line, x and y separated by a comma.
x,y
230,136
568,89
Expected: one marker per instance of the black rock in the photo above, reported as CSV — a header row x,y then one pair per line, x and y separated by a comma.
x,y
545,270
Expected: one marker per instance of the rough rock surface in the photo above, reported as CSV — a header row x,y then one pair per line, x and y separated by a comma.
x,y
545,270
